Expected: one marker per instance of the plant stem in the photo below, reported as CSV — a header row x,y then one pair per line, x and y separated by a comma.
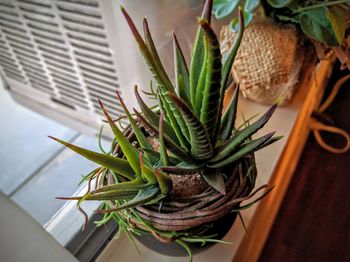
x,y
306,8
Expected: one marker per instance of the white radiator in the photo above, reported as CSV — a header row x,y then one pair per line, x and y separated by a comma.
x,y
58,56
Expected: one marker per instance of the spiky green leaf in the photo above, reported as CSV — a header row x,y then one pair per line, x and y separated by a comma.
x,y
181,89
229,117
153,118
130,152
240,137
160,76
170,144
197,59
243,150
172,160
153,51
215,179
229,59
172,114
211,95
181,72
163,161
200,143
176,120
110,195
182,170
227,65
143,196
164,181
120,166
134,185
141,138
147,172
269,142
201,82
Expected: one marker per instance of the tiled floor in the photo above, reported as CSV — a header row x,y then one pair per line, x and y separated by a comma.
x,y
35,169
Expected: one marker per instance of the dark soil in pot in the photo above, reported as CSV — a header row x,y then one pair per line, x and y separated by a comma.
x,y
221,227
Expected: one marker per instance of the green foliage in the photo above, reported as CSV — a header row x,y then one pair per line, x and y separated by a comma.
x,y
229,117
198,58
121,166
323,21
251,5
192,134
336,17
181,72
279,3
315,24
224,8
248,17
187,123
196,112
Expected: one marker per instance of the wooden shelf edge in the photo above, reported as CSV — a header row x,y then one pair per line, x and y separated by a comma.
x,y
267,210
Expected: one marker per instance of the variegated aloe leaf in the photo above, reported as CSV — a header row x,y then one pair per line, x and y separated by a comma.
x,y
153,51
201,81
130,152
126,194
229,117
127,186
269,142
176,120
181,73
197,59
243,150
147,173
143,196
182,170
173,161
170,144
239,138
120,166
211,95
200,143
160,76
164,181
153,118
141,138
227,65
163,161
164,85
215,179
172,114
228,62
116,192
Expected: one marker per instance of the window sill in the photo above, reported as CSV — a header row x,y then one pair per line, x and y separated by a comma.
x,y
275,165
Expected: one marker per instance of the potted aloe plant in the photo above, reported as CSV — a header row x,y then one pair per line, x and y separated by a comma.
x,y
183,164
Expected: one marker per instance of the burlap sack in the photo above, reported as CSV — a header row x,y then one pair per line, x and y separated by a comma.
x,y
268,62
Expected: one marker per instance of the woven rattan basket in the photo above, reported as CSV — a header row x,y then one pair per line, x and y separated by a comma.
x,y
191,212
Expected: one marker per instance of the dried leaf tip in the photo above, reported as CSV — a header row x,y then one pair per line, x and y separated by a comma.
x,y
100,102
54,138
120,98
